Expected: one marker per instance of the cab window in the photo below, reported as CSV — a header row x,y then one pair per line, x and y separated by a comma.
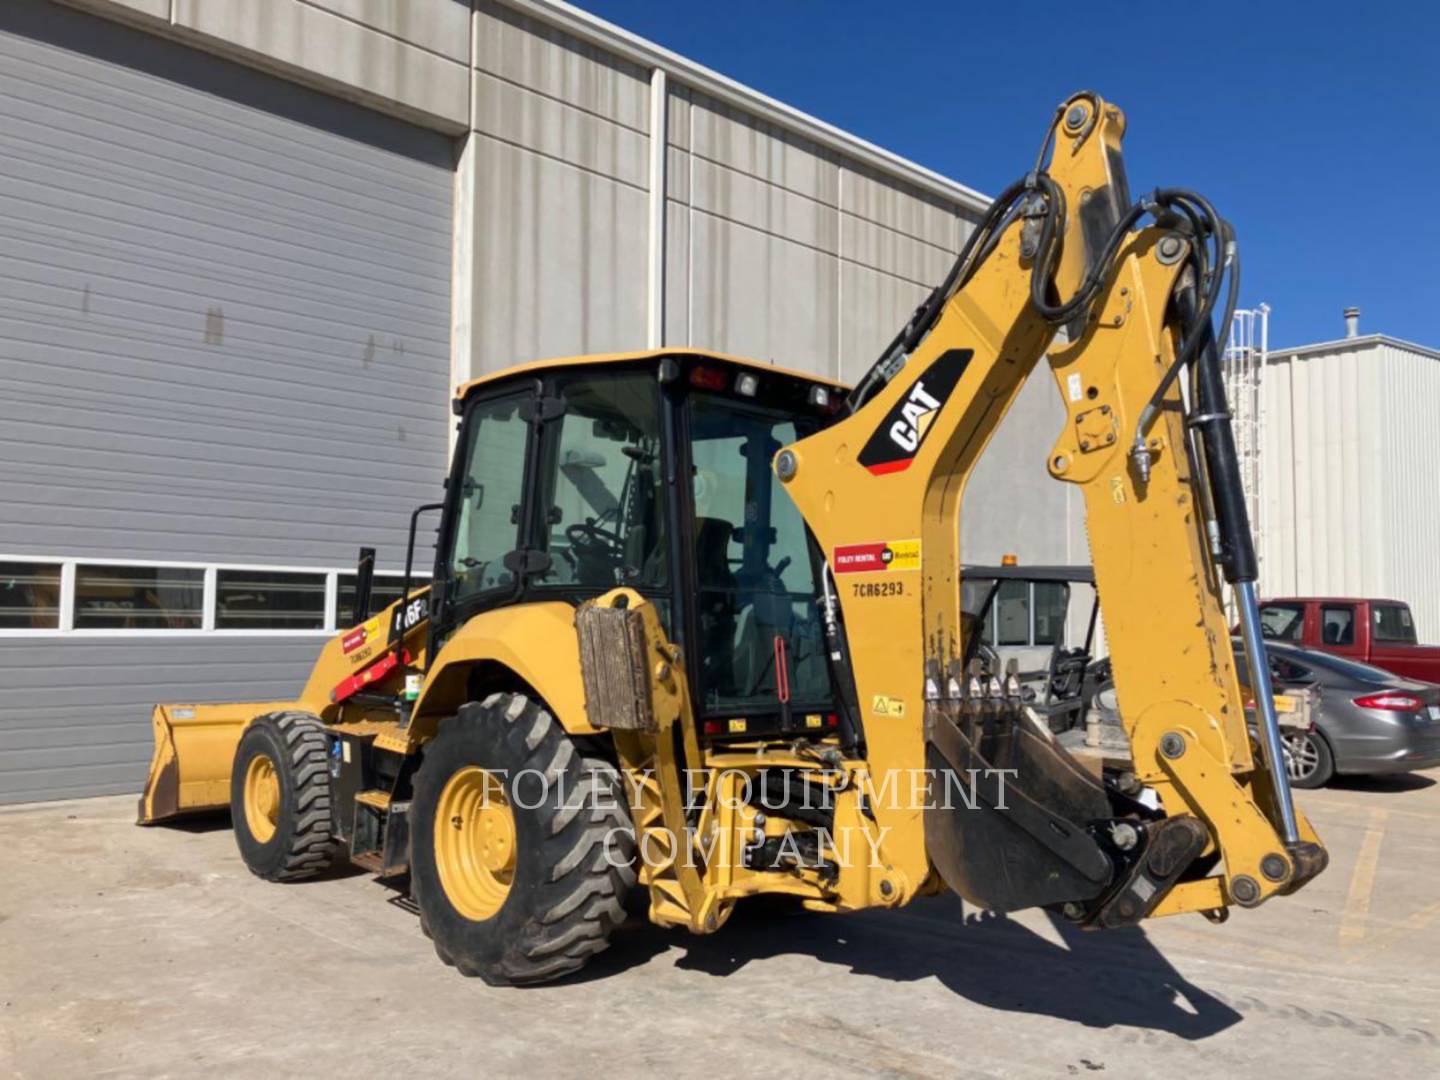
x,y
488,511
602,519
754,565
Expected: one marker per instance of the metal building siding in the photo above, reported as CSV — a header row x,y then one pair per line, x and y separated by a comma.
x,y
562,199
1409,470
75,715
224,336
1321,475
224,309
1351,483
781,249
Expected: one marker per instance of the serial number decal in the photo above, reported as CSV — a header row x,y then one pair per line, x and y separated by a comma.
x,y
885,555
879,588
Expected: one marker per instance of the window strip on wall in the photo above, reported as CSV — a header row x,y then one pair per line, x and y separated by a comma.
x,y
131,597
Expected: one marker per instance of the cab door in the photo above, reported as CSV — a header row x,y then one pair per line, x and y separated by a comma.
x,y
479,559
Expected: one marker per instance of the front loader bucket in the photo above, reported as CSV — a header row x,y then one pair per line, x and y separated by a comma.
x,y
1005,821
194,746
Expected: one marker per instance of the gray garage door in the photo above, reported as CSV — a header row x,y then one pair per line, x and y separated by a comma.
x,y
224,361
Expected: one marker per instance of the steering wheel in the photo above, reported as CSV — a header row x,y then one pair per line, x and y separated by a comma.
x,y
591,539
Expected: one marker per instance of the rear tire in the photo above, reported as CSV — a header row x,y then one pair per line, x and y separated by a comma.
x,y
1308,759
280,797
538,902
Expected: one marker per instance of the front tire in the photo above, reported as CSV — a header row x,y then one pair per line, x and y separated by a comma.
x,y
280,797
522,851
1308,759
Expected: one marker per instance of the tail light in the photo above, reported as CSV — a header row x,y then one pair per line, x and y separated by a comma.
x,y
1391,701
708,378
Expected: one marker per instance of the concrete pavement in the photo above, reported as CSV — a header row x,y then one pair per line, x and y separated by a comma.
x,y
153,952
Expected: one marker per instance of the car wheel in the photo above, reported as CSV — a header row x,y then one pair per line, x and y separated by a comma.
x,y
1308,760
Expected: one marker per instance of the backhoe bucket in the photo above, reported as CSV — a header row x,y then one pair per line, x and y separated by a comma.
x,y
1014,822
1005,821
194,748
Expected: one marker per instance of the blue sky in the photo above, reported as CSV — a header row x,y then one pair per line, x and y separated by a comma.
x,y
1315,128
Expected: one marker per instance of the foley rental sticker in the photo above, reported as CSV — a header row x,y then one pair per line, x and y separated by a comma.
x,y
360,636
882,556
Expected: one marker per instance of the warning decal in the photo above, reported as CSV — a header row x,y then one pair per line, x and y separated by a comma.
x,y
882,556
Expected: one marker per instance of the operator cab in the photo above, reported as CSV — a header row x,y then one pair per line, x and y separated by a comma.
x,y
650,471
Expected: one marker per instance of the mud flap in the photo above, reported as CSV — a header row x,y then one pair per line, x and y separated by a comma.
x,y
1005,821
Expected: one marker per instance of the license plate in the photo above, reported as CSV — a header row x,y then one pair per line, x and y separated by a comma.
x,y
1435,712
1284,703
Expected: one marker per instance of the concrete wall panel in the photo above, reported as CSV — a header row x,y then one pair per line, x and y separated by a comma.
x,y
127,9
749,145
440,26
555,129
531,54
892,252
560,259
894,205
320,45
762,296
873,307
676,330
748,201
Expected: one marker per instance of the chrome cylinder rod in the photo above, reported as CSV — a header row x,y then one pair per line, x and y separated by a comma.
x,y
1265,718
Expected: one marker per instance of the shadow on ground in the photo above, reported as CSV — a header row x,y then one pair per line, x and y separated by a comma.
x,y
1097,979
1392,782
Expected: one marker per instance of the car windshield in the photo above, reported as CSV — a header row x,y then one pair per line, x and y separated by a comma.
x,y
755,571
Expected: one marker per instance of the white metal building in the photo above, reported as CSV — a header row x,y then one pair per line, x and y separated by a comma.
x,y
249,247
1351,484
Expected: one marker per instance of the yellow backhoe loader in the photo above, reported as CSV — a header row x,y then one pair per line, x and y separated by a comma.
x,y
695,625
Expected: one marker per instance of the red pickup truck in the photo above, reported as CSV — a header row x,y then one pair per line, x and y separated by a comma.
x,y
1377,632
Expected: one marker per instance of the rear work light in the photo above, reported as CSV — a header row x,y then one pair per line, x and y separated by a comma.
x,y
708,378
1391,701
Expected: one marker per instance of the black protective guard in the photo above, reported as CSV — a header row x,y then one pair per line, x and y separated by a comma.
x,y
1015,840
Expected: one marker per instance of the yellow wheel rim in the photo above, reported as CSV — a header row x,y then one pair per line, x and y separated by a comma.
x,y
262,798
475,843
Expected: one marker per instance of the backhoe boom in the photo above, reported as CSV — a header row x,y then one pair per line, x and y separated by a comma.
x,y
882,492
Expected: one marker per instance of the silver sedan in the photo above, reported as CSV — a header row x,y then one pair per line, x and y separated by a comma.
x,y
1366,721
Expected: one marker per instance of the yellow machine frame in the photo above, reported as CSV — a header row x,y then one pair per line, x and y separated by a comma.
x,y
1173,662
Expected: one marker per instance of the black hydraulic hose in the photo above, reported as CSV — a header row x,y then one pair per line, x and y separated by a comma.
x,y
925,315
1228,259
1211,418
1047,254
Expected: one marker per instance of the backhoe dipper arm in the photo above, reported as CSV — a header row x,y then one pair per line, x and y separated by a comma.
x,y
882,489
